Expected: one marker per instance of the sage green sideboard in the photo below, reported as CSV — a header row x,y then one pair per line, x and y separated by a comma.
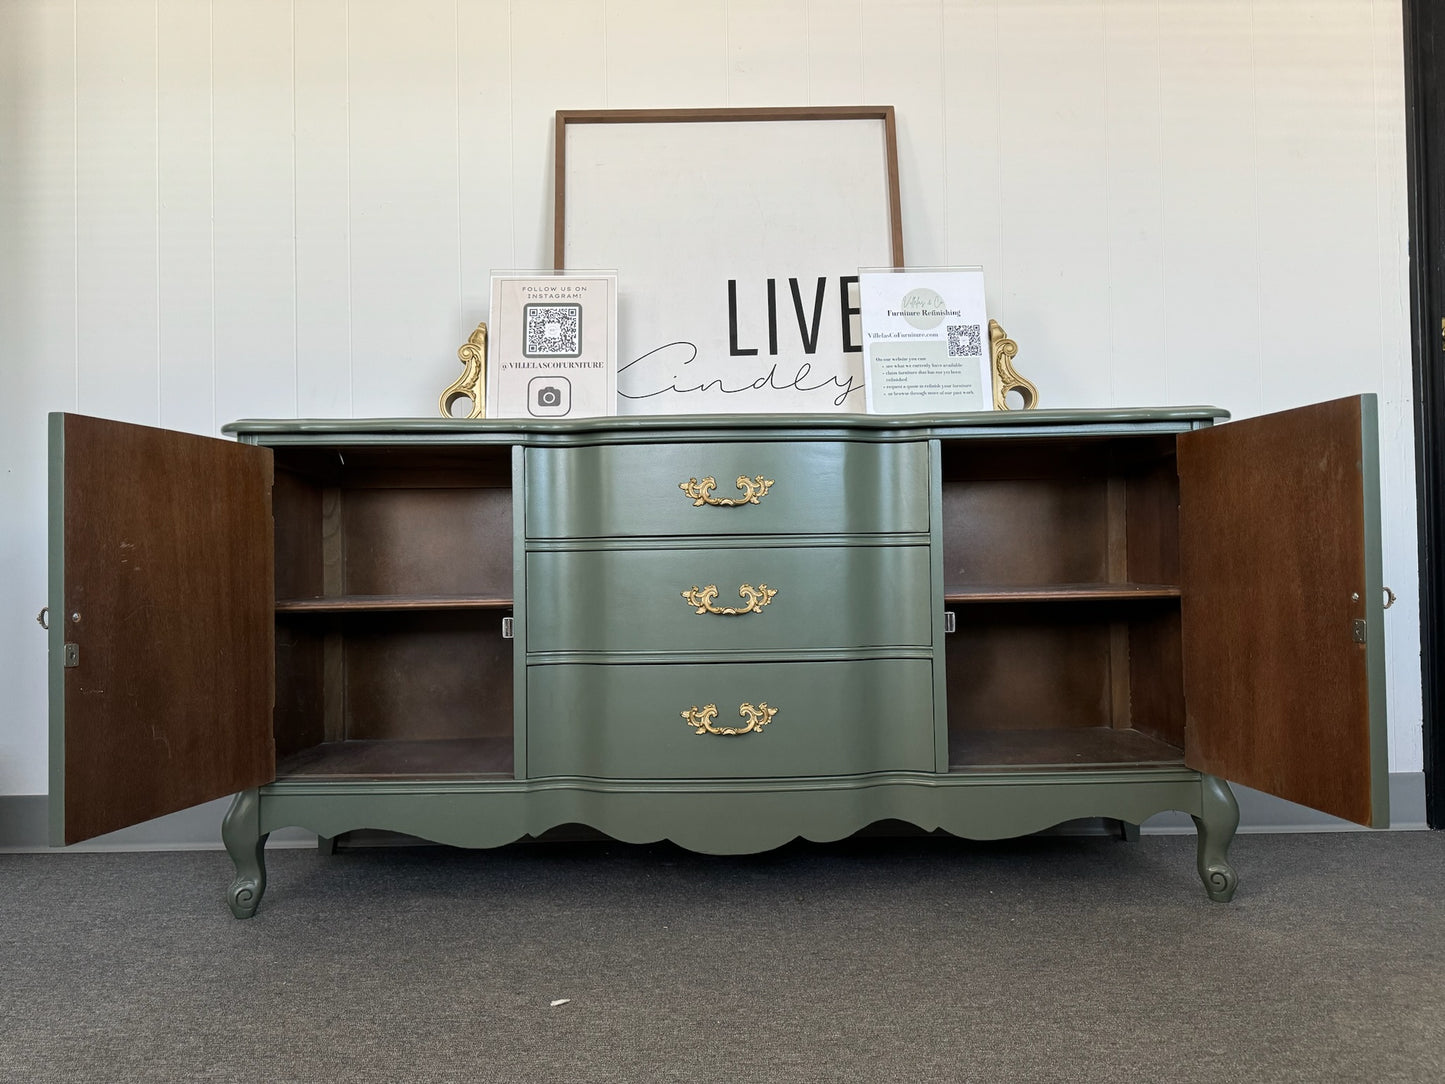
x,y
728,632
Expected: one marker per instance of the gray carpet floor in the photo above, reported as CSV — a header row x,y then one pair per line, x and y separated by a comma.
x,y
1045,959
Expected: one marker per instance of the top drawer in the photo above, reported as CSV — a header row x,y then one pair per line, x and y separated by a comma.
x,y
632,490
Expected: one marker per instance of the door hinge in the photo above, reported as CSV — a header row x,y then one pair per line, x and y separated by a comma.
x,y
72,655
1360,631
950,621
506,628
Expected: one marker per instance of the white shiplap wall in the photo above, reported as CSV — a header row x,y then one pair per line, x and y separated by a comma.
x,y
278,208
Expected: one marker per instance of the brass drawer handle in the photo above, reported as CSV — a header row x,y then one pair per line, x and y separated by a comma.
x,y
754,489
701,598
700,719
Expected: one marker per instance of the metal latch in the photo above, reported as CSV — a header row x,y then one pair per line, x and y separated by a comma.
x,y
72,655
506,628
950,621
1359,630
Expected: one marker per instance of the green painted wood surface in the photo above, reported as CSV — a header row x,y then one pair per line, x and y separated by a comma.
x,y
1375,608
658,429
599,515
625,721
55,636
940,637
632,599
818,488
519,619
734,816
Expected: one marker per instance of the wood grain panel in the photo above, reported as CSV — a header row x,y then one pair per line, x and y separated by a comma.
x,y
1061,592
1044,669
168,565
1156,678
1274,573
296,505
1152,500
453,758
426,676
428,541
1051,666
300,715
1080,747
389,603
1060,512
1025,532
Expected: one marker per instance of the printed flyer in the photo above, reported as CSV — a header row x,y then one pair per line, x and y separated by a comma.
x,y
552,345
925,340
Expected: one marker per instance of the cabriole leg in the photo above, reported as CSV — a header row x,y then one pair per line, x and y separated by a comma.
x,y
246,844
1217,821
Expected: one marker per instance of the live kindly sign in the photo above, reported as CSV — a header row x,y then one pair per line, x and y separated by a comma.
x,y
737,236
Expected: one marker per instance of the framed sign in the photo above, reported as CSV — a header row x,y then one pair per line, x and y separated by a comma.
x,y
737,235
552,345
926,340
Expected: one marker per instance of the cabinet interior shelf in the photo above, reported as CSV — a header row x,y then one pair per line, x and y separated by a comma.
x,y
388,603
1066,747
429,759
1061,592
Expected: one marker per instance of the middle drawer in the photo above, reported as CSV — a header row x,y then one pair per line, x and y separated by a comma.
x,y
622,600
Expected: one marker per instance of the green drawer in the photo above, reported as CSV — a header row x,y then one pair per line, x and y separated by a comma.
x,y
629,490
832,718
632,600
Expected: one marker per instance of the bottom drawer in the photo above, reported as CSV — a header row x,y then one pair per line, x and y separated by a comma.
x,y
831,718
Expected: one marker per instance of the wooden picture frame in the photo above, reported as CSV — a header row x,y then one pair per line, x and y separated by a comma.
x,y
737,235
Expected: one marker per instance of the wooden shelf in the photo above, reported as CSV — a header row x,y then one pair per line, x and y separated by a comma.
x,y
1070,747
450,757
387,603
1060,592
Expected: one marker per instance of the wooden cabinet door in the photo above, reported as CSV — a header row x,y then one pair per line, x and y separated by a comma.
x,y
162,634
1279,527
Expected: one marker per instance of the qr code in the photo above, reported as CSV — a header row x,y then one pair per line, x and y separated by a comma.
x,y
552,331
965,341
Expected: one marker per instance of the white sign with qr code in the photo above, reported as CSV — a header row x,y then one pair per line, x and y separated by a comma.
x,y
925,340
552,345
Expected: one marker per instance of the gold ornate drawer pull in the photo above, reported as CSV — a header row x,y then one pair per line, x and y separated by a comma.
x,y
754,489
700,719
701,598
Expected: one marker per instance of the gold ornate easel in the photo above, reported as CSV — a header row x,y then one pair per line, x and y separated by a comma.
x,y
472,384
1006,378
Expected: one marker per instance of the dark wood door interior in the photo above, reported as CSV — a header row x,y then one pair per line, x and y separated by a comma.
x,y
168,598
1275,575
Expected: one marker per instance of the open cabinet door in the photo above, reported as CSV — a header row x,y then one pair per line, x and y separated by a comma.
x,y
1284,665
161,623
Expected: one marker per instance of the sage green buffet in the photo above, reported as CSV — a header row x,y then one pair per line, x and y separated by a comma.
x,y
729,632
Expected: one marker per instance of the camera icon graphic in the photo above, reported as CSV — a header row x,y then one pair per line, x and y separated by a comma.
x,y
549,396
